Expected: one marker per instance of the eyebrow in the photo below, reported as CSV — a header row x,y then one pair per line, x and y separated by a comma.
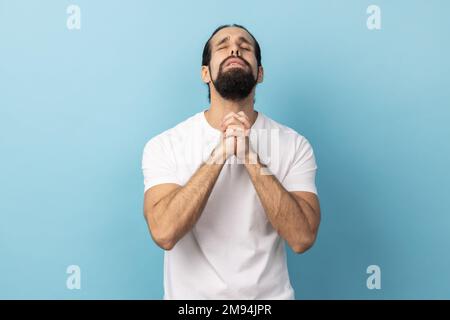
x,y
227,38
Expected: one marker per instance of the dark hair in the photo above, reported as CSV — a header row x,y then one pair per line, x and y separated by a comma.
x,y
206,56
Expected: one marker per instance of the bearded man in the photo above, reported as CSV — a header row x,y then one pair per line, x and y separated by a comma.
x,y
217,200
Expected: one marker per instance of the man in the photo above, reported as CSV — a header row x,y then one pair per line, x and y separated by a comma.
x,y
221,211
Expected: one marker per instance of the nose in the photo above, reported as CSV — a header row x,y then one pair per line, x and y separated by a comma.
x,y
235,51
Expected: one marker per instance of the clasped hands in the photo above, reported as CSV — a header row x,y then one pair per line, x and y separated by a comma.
x,y
235,129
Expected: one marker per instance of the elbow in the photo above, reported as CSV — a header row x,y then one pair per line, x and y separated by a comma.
x,y
164,243
300,248
303,245
163,238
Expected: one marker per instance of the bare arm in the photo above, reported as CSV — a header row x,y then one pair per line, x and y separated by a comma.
x,y
172,210
295,215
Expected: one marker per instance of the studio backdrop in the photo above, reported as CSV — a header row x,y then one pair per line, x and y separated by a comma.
x,y
85,84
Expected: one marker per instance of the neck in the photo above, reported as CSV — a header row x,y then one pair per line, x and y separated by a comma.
x,y
220,107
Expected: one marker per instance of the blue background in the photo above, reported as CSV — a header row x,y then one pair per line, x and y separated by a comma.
x,y
77,107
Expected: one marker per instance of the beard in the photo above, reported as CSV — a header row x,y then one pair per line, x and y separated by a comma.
x,y
235,84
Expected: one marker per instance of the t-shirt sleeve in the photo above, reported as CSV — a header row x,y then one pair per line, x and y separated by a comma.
x,y
301,174
158,165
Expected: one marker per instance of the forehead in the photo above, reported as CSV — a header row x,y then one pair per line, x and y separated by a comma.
x,y
233,33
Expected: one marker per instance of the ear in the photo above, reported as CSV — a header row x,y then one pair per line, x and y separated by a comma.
x,y
206,77
260,74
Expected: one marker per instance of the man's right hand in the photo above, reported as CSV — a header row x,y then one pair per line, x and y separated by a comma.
x,y
224,150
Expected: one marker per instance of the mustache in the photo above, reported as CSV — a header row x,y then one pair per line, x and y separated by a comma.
x,y
226,60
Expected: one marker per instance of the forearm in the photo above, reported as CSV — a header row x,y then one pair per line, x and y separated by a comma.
x,y
178,212
288,216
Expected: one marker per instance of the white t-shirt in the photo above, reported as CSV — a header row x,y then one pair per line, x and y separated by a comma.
x,y
232,252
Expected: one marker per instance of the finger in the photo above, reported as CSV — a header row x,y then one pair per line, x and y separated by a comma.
x,y
243,114
230,121
230,132
236,132
229,115
228,139
224,125
236,127
245,121
242,117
